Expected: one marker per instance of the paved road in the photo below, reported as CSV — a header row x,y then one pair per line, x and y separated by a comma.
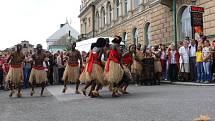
x,y
145,103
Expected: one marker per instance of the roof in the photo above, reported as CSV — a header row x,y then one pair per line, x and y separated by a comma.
x,y
62,31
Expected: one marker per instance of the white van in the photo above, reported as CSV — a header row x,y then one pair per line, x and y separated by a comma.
x,y
86,44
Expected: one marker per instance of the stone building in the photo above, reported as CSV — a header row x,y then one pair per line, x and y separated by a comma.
x,y
143,21
26,47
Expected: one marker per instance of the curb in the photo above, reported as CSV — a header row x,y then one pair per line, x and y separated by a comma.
x,y
187,83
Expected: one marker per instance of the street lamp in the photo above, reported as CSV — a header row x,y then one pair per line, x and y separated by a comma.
x,y
174,23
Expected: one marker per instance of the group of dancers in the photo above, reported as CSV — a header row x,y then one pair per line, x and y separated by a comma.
x,y
104,65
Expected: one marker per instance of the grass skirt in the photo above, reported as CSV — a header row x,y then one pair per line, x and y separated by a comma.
x,y
136,68
39,76
157,66
71,74
97,74
15,75
115,73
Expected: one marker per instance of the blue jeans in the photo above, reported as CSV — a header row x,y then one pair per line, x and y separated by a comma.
x,y
207,70
200,71
27,72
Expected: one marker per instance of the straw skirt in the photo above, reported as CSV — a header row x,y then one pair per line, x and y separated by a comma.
x,y
97,74
71,74
115,73
39,76
15,75
157,66
136,68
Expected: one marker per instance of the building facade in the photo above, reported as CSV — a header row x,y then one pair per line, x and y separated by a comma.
x,y
26,47
59,40
147,22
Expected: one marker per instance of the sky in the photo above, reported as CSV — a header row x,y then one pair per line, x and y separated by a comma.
x,y
35,20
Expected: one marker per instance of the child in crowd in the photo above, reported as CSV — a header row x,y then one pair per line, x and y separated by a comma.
x,y
199,65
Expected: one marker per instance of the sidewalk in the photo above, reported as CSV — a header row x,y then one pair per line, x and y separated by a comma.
x,y
188,83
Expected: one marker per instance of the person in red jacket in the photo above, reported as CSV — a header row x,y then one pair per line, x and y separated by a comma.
x,y
173,58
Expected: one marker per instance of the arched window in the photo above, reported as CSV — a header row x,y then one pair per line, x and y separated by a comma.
x,y
102,17
135,36
185,28
126,6
109,13
148,36
117,8
97,20
136,3
125,38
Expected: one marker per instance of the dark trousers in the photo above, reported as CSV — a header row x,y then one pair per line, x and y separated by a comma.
x,y
193,73
1,77
213,68
173,72
50,75
60,72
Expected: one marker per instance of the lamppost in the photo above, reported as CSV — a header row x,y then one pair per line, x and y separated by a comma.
x,y
174,23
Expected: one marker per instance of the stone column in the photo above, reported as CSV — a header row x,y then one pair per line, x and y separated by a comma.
x,y
141,5
106,14
120,8
129,7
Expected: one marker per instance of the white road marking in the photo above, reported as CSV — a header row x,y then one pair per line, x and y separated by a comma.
x,y
56,91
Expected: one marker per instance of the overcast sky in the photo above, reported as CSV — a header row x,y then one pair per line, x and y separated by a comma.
x,y
35,20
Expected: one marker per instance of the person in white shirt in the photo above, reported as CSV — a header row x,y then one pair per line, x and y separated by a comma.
x,y
61,66
184,60
192,51
207,61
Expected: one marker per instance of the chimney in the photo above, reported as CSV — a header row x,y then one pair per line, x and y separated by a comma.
x,y
61,25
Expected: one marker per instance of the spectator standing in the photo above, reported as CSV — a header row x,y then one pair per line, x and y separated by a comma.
x,y
184,60
173,59
27,69
61,66
213,57
55,70
163,61
207,61
192,51
199,65
1,72
49,65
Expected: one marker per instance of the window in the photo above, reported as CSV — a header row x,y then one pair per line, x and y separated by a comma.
x,y
126,7
135,36
102,17
148,36
117,8
125,38
24,46
89,21
85,26
109,13
136,3
185,28
97,20
82,29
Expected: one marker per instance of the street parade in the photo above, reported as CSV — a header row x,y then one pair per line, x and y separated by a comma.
x,y
107,60
105,65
